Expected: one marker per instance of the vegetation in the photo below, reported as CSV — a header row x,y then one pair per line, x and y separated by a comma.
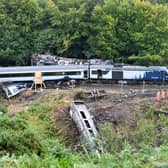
x,y
129,31
29,139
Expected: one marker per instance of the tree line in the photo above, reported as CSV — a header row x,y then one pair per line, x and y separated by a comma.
x,y
127,31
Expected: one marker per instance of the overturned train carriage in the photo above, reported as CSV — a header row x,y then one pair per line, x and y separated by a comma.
x,y
86,125
82,72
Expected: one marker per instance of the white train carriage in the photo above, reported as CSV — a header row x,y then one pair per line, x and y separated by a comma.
x,y
118,72
101,71
82,72
59,72
134,73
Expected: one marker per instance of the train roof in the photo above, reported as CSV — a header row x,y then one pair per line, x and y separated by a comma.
x,y
51,68
101,66
24,69
144,68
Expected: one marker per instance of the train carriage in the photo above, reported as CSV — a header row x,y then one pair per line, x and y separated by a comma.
x,y
82,72
140,73
17,74
101,72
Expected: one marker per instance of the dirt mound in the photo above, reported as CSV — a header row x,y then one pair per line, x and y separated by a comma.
x,y
118,108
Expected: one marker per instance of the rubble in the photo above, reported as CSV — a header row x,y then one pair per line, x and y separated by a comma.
x,y
46,59
92,94
12,90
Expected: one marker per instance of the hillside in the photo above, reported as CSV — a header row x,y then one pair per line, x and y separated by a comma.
x,y
124,31
37,131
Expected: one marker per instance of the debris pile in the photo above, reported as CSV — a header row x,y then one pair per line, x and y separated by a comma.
x,y
40,59
92,94
12,90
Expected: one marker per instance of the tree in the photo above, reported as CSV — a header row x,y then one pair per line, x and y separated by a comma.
x,y
150,32
17,21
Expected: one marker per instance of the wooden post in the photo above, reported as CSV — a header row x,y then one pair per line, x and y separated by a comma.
x,y
143,87
122,85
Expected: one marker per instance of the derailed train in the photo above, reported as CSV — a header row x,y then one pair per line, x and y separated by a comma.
x,y
84,72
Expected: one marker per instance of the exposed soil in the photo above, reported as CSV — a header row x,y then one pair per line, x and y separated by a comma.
x,y
66,127
121,105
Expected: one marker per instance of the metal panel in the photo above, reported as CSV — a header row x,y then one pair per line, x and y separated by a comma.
x,y
117,75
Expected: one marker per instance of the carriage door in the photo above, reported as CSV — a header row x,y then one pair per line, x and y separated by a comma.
x,y
85,74
99,74
117,75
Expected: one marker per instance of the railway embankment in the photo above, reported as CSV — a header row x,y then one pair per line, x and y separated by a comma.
x,y
127,119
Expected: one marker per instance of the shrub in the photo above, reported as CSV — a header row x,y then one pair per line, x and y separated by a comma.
x,y
149,111
3,108
144,134
17,138
56,150
113,140
41,109
12,123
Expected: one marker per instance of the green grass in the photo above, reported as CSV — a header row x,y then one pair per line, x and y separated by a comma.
x,y
30,140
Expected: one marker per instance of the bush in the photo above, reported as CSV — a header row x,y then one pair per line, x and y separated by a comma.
x,y
148,111
113,140
3,108
40,109
144,134
12,123
17,138
56,150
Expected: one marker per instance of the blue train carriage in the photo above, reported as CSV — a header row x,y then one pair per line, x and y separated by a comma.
x,y
157,74
141,73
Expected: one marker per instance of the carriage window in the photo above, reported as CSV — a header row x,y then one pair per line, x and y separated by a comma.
x,y
83,114
94,72
90,131
52,73
85,74
58,73
16,75
105,72
72,73
87,124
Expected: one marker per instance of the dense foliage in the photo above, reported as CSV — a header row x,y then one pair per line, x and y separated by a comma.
x,y
130,31
28,139
15,137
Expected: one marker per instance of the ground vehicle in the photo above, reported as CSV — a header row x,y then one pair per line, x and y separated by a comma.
x,y
82,72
